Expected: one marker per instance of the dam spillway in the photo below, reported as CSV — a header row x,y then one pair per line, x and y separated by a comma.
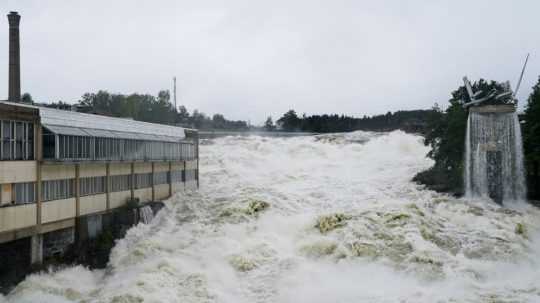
x,y
494,154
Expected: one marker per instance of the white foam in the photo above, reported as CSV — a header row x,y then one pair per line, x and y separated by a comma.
x,y
399,243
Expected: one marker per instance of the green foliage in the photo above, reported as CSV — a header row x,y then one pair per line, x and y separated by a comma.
x,y
290,121
413,121
27,98
531,128
148,108
531,138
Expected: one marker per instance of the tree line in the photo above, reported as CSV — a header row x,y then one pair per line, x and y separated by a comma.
x,y
413,121
148,108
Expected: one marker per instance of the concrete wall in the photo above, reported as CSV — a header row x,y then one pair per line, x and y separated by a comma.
x,y
141,168
57,210
120,169
159,167
161,191
178,166
92,170
118,199
92,204
15,217
144,194
54,212
191,164
17,171
57,171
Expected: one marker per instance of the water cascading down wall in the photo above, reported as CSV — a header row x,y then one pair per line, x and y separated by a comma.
x,y
494,154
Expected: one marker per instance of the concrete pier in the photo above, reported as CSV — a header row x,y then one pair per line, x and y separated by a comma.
x,y
36,249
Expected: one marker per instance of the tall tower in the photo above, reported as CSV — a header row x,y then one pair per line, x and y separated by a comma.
x,y
174,93
14,91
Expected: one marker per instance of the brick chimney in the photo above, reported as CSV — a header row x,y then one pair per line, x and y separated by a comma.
x,y
14,94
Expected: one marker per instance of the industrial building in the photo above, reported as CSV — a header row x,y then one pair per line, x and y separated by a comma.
x,y
60,169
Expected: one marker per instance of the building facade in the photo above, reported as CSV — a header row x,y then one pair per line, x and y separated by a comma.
x,y
59,166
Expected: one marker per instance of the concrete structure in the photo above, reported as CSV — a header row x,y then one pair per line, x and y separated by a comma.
x,y
493,109
494,154
66,176
57,167
14,58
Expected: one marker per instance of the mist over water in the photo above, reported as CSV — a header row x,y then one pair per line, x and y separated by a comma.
x,y
330,218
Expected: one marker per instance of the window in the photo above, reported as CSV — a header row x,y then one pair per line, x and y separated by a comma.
x,y
120,183
57,189
161,177
96,148
17,141
177,176
143,180
190,175
24,192
92,185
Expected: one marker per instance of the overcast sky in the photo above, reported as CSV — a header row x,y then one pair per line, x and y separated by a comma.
x,y
250,59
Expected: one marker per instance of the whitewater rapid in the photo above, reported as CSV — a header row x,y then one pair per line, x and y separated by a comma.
x,y
331,218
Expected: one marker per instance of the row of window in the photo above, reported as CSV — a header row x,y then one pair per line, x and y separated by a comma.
x,y
17,143
24,192
92,185
183,175
190,175
17,140
65,188
57,189
120,183
177,176
161,177
143,180
92,148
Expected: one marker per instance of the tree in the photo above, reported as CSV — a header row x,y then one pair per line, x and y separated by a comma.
x,y
531,138
411,121
164,96
218,121
269,124
182,116
27,98
290,121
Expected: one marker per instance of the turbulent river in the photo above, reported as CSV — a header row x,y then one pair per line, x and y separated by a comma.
x,y
332,218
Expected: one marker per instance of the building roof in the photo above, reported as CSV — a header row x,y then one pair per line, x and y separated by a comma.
x,y
65,122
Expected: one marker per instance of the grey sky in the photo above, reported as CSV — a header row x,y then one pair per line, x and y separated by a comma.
x,y
250,59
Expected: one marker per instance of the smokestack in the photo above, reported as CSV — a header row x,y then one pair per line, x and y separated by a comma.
x,y
14,58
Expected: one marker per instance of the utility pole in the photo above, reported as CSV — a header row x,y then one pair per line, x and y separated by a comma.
x,y
174,93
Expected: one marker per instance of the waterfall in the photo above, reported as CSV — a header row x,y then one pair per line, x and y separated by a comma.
x,y
146,214
494,157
